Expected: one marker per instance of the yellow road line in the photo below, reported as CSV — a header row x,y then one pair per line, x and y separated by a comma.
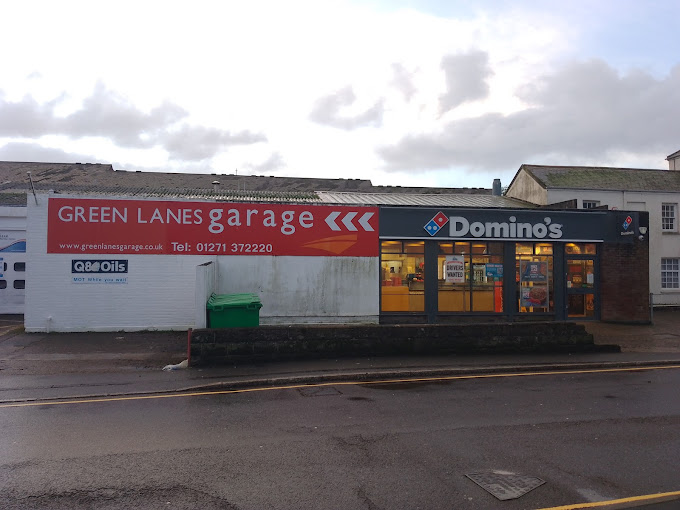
x,y
338,383
648,498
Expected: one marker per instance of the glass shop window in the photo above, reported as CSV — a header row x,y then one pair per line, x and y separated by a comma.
x,y
580,273
580,249
402,266
470,277
534,277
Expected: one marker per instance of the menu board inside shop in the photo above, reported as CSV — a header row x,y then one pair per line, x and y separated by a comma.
x,y
534,284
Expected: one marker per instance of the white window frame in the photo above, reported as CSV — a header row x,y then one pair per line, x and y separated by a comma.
x,y
669,217
670,273
591,204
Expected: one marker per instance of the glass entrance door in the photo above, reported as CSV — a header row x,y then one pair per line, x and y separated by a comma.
x,y
582,287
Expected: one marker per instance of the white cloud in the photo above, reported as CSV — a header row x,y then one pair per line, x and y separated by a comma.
x,y
466,79
584,111
107,115
36,153
403,81
198,143
329,110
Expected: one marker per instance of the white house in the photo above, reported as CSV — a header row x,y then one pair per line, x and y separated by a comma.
x,y
654,191
674,161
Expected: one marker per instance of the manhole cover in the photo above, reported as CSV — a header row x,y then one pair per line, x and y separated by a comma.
x,y
318,391
505,485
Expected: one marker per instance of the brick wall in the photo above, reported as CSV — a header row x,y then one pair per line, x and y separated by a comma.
x,y
625,282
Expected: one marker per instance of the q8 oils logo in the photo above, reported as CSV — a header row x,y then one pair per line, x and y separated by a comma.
x,y
90,266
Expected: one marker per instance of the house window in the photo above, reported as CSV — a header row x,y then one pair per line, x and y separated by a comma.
x,y
668,217
670,273
591,204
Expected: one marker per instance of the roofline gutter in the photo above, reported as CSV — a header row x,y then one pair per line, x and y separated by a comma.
x,y
32,187
614,190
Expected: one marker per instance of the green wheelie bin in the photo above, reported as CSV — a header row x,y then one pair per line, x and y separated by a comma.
x,y
234,310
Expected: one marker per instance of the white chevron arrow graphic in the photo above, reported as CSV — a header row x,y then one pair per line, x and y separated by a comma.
x,y
363,221
331,220
347,221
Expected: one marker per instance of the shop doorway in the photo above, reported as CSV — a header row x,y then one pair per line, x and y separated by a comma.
x,y
582,281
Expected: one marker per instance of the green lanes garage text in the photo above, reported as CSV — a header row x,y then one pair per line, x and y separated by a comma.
x,y
217,219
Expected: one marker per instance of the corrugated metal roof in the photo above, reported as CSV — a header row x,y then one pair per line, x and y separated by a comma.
x,y
604,178
103,178
423,200
195,194
13,199
319,197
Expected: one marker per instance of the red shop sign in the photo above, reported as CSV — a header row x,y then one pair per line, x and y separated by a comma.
x,y
143,227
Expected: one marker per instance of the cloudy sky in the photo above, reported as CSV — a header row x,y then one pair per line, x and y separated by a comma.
x,y
407,92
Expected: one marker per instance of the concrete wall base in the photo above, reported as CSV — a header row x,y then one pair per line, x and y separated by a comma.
x,y
271,343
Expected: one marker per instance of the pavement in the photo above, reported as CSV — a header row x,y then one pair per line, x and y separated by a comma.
x,y
57,366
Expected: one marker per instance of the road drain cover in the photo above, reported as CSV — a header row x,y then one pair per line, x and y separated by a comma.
x,y
505,485
318,391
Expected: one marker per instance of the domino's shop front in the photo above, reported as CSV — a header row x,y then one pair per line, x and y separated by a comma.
x,y
449,265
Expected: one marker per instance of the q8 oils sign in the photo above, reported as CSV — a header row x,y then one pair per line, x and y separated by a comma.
x,y
99,271
146,227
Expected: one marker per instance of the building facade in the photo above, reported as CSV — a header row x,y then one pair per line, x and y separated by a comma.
x,y
110,263
448,265
117,263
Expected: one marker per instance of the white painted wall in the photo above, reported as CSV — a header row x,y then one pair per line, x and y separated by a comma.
x,y
306,289
13,218
525,187
674,163
12,228
206,285
161,292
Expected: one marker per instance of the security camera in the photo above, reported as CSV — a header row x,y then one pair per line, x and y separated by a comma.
x,y
641,238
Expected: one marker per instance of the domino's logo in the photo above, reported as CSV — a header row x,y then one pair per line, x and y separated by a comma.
x,y
436,224
627,223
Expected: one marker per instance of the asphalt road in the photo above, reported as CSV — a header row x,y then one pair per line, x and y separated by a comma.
x,y
590,437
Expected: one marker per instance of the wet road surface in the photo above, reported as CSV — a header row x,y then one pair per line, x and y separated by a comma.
x,y
590,437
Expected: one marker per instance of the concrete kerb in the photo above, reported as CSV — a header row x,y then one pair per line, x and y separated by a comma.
x,y
415,374
373,377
